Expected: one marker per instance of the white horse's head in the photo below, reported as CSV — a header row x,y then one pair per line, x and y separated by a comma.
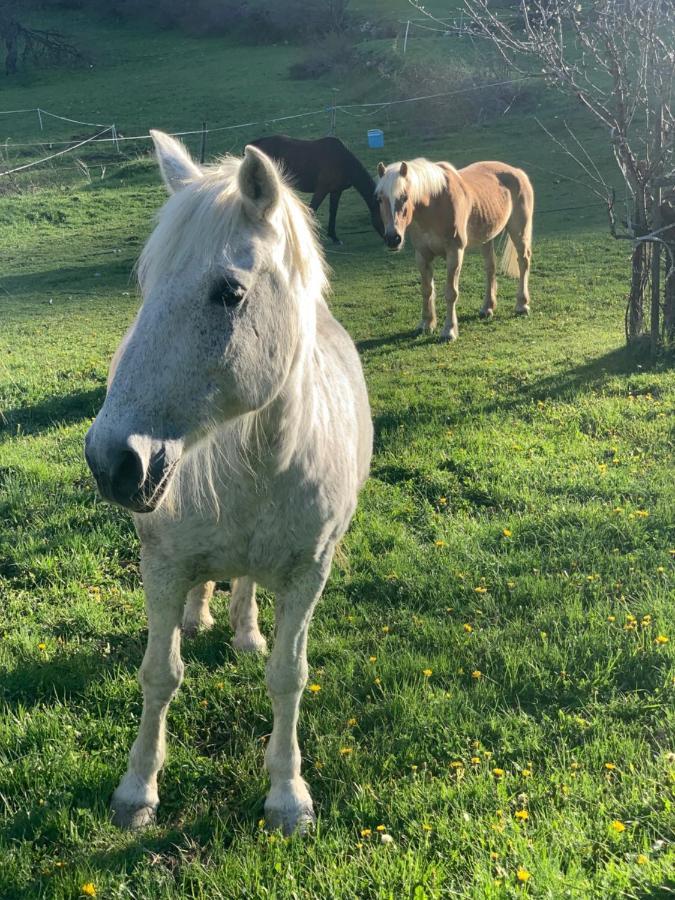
x,y
230,278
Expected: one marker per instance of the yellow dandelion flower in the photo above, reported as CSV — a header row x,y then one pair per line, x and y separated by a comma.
x,y
498,773
89,889
366,832
618,509
385,629
220,685
440,543
442,500
602,467
42,646
641,859
372,659
494,856
642,513
468,628
413,767
507,532
204,703
476,674
314,688
345,751
377,681
526,773
611,618
646,620
456,764
523,874
475,760
661,639
575,766
617,826
661,569
480,589
427,673
522,815
426,827
380,828
610,766
351,722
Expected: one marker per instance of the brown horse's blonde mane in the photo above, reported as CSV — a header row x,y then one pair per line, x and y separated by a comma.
x,y
424,179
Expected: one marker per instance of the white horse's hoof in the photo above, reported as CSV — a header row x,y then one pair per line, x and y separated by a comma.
x,y
129,817
250,643
449,338
486,313
290,809
291,820
192,628
522,310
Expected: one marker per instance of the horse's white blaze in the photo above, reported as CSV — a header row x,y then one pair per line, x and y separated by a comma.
x,y
237,422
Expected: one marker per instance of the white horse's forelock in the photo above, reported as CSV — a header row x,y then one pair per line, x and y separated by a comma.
x,y
423,179
197,224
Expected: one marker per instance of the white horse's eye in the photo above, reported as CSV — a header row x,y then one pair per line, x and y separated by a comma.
x,y
227,293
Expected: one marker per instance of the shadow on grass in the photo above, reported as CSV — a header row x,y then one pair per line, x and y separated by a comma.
x,y
105,273
56,410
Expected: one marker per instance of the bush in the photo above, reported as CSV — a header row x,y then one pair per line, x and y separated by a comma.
x,y
334,53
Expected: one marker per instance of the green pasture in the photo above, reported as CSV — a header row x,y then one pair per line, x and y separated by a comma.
x,y
495,647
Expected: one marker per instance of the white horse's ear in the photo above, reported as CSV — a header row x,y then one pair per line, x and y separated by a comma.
x,y
259,183
403,171
175,163
381,169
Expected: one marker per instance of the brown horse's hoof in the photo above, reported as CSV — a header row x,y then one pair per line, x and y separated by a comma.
x,y
486,314
522,310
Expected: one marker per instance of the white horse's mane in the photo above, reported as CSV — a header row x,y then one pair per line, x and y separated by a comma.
x,y
198,222
424,179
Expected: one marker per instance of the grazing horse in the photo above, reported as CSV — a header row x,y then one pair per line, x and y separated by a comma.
x,y
447,210
321,167
236,428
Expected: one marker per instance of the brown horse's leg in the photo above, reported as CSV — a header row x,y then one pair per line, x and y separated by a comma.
x,y
332,213
454,260
428,321
519,228
490,281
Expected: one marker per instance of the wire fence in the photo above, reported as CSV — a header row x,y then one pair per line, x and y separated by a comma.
x,y
109,135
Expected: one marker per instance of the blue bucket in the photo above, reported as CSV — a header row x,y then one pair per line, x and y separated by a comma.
x,y
375,138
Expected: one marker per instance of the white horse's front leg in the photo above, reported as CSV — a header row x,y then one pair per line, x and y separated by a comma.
x,y
289,804
244,617
136,799
197,616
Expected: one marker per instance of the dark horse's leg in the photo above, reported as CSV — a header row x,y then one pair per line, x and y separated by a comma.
x,y
332,214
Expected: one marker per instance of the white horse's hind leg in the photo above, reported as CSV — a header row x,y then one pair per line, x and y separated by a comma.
x,y
136,799
451,327
289,804
427,323
244,617
490,302
197,616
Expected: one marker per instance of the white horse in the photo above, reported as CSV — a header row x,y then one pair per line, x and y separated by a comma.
x,y
236,427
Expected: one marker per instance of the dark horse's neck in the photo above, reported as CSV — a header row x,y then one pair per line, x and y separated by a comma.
x,y
362,181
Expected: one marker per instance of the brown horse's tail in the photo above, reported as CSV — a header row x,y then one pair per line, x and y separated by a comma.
x,y
509,260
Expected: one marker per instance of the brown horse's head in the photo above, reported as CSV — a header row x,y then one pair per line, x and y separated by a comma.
x,y
395,204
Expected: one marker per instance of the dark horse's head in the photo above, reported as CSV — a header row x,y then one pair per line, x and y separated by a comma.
x,y
376,216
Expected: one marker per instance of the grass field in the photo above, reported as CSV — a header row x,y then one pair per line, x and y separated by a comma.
x,y
497,687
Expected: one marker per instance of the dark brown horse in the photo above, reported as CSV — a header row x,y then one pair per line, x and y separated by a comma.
x,y
321,167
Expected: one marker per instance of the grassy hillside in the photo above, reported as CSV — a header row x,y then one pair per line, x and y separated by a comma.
x,y
516,539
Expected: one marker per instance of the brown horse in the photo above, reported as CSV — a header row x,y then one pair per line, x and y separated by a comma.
x,y
322,167
448,210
